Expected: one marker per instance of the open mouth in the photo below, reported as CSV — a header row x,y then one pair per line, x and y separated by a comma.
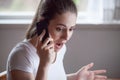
x,y
58,45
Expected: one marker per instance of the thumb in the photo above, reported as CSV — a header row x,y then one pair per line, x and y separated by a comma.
x,y
89,66
86,67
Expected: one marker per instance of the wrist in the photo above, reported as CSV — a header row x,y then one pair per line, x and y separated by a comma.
x,y
44,64
72,76
42,71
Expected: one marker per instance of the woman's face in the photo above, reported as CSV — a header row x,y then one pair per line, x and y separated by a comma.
x,y
61,28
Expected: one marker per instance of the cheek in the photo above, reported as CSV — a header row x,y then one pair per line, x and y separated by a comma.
x,y
51,32
54,35
70,35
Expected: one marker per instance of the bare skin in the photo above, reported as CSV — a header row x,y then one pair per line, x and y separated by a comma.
x,y
85,74
61,29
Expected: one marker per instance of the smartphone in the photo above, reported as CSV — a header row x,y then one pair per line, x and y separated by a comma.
x,y
42,25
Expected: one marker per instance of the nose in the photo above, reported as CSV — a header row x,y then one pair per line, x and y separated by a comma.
x,y
66,35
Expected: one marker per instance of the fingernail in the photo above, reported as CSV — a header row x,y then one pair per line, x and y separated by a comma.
x,y
92,63
105,71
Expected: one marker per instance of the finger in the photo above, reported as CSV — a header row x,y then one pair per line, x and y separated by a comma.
x,y
86,67
50,36
55,58
91,75
47,42
50,46
39,40
100,77
89,66
42,35
99,71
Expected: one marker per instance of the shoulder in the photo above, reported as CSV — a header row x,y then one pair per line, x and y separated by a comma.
x,y
19,48
17,53
23,48
20,58
21,51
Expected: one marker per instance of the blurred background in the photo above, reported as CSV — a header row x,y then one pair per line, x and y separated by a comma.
x,y
96,38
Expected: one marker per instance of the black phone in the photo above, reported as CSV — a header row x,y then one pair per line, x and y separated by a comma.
x,y
42,25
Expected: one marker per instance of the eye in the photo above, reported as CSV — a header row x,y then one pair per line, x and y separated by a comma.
x,y
59,29
72,29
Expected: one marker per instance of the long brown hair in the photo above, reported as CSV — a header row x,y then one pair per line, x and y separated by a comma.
x,y
48,9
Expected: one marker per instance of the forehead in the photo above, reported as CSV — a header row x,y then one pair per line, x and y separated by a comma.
x,y
67,18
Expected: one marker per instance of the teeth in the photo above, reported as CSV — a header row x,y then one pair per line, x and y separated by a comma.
x,y
58,44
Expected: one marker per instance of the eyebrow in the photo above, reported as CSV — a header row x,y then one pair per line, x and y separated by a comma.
x,y
64,25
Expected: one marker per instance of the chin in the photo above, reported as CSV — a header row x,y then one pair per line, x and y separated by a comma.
x,y
57,50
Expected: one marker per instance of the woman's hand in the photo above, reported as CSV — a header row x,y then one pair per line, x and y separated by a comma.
x,y
45,50
85,74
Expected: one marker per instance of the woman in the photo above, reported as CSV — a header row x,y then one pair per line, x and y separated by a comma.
x,y
41,58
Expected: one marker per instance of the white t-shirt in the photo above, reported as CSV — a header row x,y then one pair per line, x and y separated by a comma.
x,y
24,57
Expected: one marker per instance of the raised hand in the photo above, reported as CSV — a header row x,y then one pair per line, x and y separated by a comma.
x,y
46,50
85,74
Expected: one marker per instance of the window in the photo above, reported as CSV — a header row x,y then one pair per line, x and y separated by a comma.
x,y
17,11
89,11
18,5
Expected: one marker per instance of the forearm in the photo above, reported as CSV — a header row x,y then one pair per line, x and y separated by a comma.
x,y
42,72
71,76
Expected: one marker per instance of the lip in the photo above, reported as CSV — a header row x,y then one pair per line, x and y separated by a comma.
x,y
58,46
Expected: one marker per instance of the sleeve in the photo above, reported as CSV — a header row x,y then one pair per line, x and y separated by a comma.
x,y
20,60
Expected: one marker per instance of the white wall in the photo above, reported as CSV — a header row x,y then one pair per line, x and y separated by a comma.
x,y
90,43
9,36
